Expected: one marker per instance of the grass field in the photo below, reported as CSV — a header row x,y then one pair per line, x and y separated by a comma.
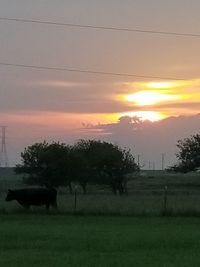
x,y
145,197
52,240
133,232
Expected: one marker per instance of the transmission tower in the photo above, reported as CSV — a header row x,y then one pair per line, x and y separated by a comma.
x,y
3,151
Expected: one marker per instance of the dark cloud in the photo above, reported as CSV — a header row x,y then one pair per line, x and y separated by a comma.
x,y
149,139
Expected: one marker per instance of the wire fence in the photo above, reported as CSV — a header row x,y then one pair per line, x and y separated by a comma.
x,y
155,196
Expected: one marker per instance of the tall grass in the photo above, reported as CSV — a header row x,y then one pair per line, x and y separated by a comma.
x,y
145,198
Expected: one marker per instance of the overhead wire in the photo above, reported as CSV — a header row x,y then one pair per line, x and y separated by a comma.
x,y
38,67
98,28
110,28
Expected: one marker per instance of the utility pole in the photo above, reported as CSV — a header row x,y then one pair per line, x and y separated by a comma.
x,y
3,150
153,165
163,161
138,160
149,165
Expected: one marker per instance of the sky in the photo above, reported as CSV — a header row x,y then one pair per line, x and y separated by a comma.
x,y
54,105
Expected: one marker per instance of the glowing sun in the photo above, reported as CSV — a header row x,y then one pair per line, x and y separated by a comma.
x,y
147,98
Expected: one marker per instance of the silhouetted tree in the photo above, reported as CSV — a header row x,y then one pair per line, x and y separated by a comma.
x,y
104,163
46,164
88,161
188,155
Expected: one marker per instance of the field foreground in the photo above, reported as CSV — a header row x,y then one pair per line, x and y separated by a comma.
x,y
58,240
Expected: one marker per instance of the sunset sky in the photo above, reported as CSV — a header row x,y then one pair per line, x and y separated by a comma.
x,y
43,104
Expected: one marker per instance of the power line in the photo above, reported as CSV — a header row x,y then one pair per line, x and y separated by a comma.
x,y
89,26
88,71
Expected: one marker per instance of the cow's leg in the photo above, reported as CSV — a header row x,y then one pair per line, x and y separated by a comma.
x,y
54,205
24,205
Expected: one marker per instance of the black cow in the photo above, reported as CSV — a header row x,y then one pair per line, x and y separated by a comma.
x,y
34,196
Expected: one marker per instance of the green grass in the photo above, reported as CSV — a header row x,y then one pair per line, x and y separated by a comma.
x,y
146,196
52,240
108,204
136,236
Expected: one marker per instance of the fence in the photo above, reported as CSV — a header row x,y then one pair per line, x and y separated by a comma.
x,y
161,195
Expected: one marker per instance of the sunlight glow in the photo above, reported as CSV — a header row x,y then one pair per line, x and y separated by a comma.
x,y
162,85
146,115
145,98
155,100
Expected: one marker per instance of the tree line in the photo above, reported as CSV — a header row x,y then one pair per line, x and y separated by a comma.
x,y
86,162
94,162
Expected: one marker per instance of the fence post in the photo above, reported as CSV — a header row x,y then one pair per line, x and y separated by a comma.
x,y
75,198
165,201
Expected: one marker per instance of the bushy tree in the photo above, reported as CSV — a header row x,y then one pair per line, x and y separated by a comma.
x,y
104,163
88,161
188,155
46,164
